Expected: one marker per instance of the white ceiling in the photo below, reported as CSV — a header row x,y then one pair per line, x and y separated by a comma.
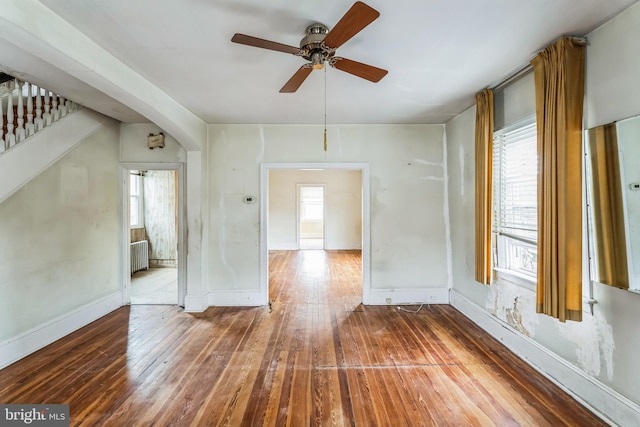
x,y
438,53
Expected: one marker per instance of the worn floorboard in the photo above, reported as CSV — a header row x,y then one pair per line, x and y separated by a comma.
x,y
315,356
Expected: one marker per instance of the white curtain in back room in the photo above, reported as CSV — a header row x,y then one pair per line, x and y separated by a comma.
x,y
161,217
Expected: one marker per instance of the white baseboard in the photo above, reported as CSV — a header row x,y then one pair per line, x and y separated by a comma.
x,y
408,296
24,344
605,402
236,298
196,303
283,247
344,246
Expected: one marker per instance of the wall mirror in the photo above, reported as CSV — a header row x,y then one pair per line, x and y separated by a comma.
x,y
613,193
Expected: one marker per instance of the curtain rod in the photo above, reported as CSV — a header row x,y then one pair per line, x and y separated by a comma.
x,y
515,75
525,68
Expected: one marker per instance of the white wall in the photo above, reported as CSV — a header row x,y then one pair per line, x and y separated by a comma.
x,y
408,227
133,146
60,238
343,206
596,358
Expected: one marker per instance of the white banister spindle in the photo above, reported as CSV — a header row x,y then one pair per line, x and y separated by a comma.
x,y
20,132
63,107
55,113
22,119
10,138
2,143
30,127
38,121
47,108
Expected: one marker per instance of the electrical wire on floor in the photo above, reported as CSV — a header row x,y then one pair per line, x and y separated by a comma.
x,y
411,311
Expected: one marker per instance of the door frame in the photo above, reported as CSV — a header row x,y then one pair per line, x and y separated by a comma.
x,y
324,212
125,168
366,220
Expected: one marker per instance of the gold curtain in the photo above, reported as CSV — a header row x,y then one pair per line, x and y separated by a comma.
x,y
608,212
484,142
559,83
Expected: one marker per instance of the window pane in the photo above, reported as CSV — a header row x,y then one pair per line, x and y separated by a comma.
x,y
515,185
134,185
522,258
312,212
134,211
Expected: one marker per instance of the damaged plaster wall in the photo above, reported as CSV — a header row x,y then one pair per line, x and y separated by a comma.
x,y
604,345
408,237
59,250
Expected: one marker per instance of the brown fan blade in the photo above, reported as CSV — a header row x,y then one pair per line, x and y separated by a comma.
x,y
297,79
359,16
264,44
368,72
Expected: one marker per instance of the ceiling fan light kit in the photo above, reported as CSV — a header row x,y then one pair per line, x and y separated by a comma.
x,y
319,46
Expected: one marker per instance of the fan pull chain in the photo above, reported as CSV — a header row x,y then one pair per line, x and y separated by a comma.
x,y
325,113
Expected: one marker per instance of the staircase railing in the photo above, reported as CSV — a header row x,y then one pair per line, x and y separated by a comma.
x,y
26,109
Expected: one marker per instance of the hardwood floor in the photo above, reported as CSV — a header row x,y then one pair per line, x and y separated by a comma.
x,y
315,357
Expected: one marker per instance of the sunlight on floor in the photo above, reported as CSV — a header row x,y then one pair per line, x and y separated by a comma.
x,y
311,243
155,286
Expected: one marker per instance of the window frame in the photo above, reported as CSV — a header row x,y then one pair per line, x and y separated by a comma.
x,y
139,177
505,242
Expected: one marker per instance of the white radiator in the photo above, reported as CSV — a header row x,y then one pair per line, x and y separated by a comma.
x,y
139,256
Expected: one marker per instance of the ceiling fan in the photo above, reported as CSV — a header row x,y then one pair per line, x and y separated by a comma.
x,y
320,44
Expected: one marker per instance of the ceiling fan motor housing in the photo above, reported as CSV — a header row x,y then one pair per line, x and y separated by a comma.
x,y
312,47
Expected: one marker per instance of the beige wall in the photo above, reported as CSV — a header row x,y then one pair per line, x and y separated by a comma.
x,y
343,207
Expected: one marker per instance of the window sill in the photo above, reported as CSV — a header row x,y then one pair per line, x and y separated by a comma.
x,y
136,227
519,279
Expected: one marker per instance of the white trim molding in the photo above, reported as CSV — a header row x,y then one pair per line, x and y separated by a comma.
x,y
22,345
602,400
237,298
409,296
196,303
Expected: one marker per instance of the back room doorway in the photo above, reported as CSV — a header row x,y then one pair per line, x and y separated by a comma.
x,y
310,215
155,273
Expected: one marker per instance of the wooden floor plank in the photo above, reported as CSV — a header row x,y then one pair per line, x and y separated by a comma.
x,y
315,356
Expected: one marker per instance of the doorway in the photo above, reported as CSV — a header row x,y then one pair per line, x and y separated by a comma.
x,y
153,234
311,214
282,234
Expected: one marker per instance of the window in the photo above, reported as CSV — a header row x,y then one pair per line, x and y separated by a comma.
x,y
136,206
515,219
311,203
